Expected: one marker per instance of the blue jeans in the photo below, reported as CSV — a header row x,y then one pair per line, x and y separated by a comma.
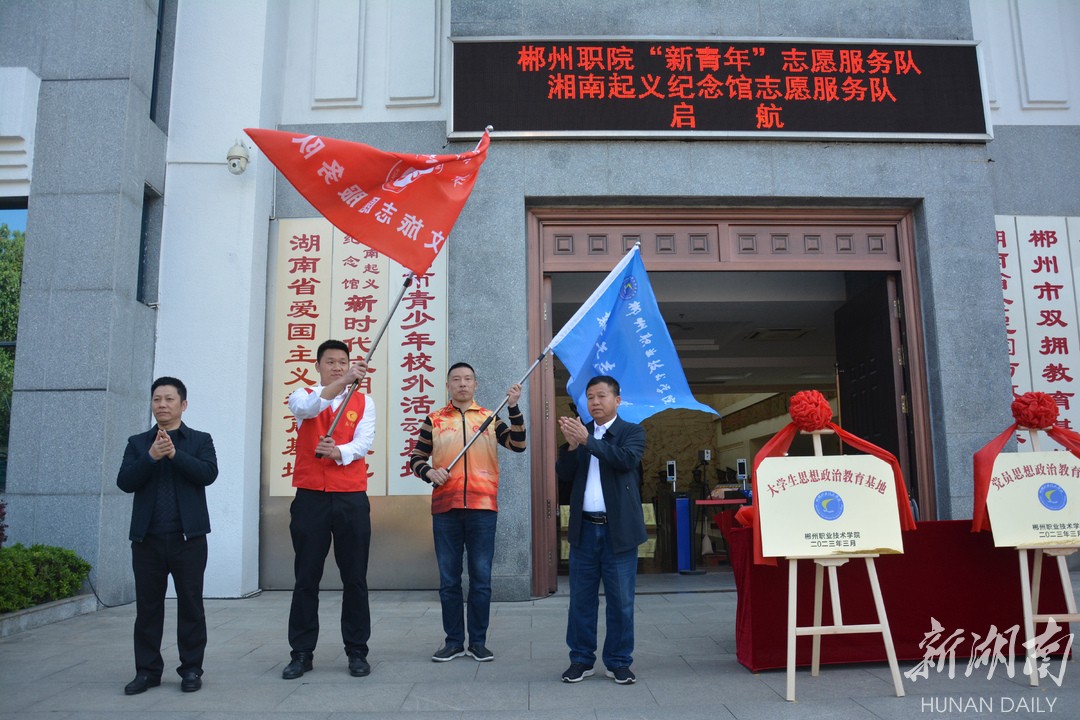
x,y
591,561
457,531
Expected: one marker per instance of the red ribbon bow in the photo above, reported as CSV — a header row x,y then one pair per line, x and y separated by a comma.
x,y
810,411
1034,411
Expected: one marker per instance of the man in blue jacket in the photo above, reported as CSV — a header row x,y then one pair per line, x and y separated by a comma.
x,y
168,468
600,463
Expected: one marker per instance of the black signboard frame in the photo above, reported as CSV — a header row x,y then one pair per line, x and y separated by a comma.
x,y
680,88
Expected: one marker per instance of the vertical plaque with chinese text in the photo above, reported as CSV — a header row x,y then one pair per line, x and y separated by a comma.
x,y
326,284
1047,265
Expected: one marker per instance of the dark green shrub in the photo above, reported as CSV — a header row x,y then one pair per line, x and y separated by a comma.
x,y
38,574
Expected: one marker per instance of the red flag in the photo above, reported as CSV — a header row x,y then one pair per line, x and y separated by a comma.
x,y
402,205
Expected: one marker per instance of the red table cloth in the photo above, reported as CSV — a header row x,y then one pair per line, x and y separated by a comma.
x,y
946,572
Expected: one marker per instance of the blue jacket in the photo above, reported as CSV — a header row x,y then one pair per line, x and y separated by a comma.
x,y
194,467
619,453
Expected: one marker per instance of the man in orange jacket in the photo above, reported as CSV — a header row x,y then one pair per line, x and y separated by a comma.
x,y
330,476
464,504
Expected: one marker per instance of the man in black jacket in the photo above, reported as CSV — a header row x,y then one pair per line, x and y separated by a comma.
x,y
168,468
600,464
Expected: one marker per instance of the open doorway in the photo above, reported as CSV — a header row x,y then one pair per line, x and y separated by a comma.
x,y
757,312
747,342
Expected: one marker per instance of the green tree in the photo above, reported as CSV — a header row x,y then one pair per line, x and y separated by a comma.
x,y
11,256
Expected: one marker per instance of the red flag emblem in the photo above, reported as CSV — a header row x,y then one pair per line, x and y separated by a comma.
x,y
402,205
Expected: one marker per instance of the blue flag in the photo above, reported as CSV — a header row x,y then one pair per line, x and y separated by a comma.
x,y
619,332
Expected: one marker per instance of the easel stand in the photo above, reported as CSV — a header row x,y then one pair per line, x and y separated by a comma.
x,y
838,627
1029,588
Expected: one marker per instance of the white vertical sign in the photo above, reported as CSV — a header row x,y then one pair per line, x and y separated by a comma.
x,y
299,319
327,285
1016,335
1049,281
362,289
417,371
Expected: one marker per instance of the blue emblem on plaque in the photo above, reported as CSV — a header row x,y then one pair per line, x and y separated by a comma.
x,y
828,505
1052,496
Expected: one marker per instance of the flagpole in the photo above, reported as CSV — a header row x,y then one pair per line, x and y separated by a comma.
x,y
569,324
839,410
371,352
484,425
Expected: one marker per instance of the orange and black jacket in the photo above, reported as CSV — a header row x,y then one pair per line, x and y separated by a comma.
x,y
474,481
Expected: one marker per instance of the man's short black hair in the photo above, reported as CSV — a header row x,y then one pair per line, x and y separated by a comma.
x,y
455,366
612,382
331,345
181,389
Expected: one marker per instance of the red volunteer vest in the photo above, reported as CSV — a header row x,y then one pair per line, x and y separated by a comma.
x,y
312,473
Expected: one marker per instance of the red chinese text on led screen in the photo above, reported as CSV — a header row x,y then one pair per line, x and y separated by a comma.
x,y
689,76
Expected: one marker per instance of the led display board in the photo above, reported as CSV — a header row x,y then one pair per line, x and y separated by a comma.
x,y
775,89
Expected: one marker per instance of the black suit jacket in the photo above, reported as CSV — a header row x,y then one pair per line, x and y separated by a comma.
x,y
194,467
619,453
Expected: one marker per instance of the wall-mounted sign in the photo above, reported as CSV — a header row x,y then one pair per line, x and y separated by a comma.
x,y
1039,260
325,284
678,88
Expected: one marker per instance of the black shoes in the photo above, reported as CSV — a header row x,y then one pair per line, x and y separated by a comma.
x,y
141,684
300,664
447,653
579,671
576,673
190,682
480,653
622,675
358,665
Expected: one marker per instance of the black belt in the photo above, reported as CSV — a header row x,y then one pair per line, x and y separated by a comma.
x,y
596,518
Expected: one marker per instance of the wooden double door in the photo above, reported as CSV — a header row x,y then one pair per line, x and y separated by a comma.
x,y
877,348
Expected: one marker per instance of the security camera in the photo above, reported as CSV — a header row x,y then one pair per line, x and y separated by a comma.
x,y
238,159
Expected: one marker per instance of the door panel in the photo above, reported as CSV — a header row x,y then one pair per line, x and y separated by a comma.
x,y
545,509
869,357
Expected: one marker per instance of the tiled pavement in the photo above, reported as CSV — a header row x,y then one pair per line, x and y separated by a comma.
x,y
684,659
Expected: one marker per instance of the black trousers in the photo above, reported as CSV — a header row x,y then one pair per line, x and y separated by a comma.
x,y
153,560
316,517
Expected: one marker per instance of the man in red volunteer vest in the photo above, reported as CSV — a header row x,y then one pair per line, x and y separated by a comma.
x,y
330,477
